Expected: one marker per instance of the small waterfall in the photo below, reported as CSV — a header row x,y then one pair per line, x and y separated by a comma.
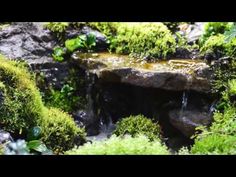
x,y
184,102
90,78
212,107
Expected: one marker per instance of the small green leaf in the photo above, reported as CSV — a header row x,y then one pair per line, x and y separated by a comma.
x,y
37,145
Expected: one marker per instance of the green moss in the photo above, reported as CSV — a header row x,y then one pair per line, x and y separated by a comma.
x,y
135,125
107,28
138,39
214,45
21,107
127,145
59,131
152,40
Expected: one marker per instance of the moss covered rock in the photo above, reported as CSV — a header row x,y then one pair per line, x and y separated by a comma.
x,y
135,125
21,109
59,131
151,40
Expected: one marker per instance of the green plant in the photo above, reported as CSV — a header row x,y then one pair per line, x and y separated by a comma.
x,y
65,99
215,144
231,33
214,45
58,54
219,138
127,145
214,28
21,147
82,42
135,125
21,105
222,73
152,40
59,131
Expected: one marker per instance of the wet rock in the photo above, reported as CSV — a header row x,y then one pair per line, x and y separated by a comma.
x,y
188,120
196,32
168,80
91,124
5,137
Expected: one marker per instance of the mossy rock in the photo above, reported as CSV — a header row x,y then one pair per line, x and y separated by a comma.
x,y
21,107
151,40
59,131
139,124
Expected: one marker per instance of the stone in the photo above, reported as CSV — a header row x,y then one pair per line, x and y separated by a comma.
x,y
186,121
26,41
5,137
175,75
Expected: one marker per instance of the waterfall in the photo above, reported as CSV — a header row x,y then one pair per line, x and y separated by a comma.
x,y
184,101
90,78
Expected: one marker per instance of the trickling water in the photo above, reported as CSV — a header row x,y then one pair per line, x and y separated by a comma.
x,y
184,101
90,103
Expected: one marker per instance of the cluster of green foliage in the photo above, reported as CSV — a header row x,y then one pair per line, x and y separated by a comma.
x,y
219,138
140,145
135,125
82,42
219,39
222,73
214,28
22,109
214,44
59,131
64,99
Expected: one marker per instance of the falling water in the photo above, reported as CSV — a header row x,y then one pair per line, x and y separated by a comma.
x,y
184,101
90,103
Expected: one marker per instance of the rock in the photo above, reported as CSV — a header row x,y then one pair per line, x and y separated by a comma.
x,y
91,123
26,41
196,32
5,137
187,121
176,75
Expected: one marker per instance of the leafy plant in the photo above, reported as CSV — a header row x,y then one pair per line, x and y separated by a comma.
x,y
219,138
140,145
21,147
82,42
231,33
58,54
213,29
135,125
65,99
214,45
